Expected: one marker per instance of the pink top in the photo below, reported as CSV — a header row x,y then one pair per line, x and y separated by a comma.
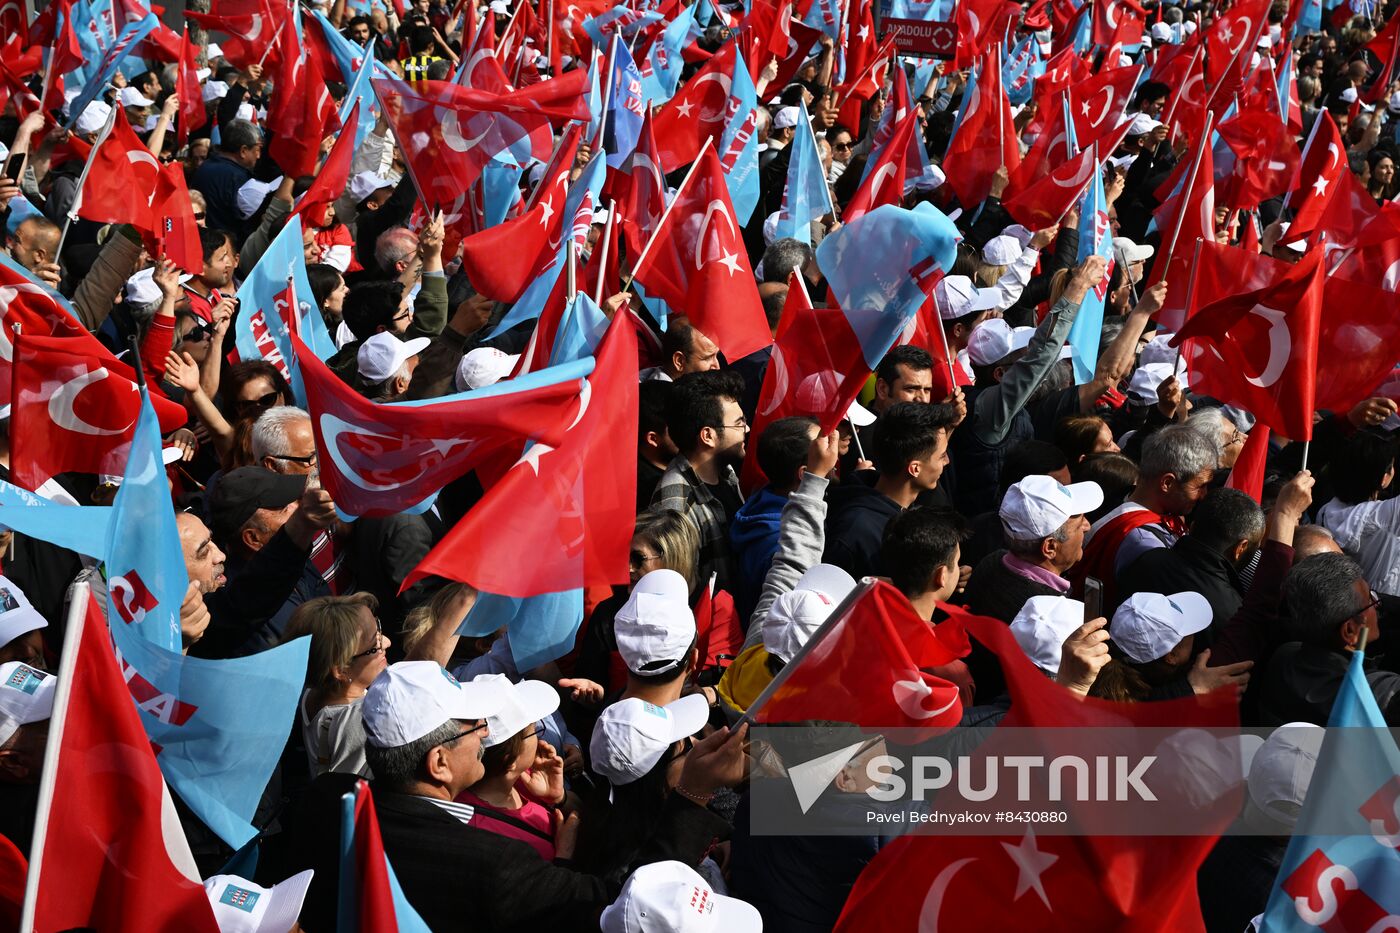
x,y
532,813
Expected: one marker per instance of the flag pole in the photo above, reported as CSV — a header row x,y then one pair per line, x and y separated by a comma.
x,y
549,37
1306,445
1190,294
606,244
67,665
865,585
273,44
609,62
646,250
72,214
571,270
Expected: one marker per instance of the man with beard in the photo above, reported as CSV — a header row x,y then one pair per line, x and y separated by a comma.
x,y
708,427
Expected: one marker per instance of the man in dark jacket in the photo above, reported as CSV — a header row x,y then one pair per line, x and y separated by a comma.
x,y
1227,527
911,447
225,171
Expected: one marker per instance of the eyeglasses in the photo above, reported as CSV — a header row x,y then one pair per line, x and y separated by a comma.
x,y
378,643
638,559
739,425
199,215
199,334
1373,604
479,727
843,147
304,461
260,403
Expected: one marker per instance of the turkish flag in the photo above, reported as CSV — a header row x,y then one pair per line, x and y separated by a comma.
x,y
884,182
1117,21
121,182
1386,47
114,854
33,309
382,459
638,190
1230,44
192,114
1046,202
801,40
503,260
1324,162
301,113
878,652
1027,881
562,515
980,22
1050,148
1098,104
697,263
1247,475
176,233
250,25
1184,218
1256,346
1265,160
1353,220
331,180
698,112
74,408
862,84
1187,110
985,139
816,369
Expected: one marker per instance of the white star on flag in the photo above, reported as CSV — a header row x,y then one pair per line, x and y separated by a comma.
x,y
1031,863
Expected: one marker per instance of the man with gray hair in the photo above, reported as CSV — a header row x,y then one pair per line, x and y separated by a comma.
x,y
282,441
1329,606
1177,464
1216,425
227,170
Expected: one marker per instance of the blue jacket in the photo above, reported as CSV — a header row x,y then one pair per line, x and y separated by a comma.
x,y
219,178
753,535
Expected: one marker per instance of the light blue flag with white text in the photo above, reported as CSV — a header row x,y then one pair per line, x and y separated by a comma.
x,y
661,69
806,195
1095,239
112,58
738,144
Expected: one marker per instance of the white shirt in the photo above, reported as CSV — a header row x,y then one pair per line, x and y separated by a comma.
x,y
1370,533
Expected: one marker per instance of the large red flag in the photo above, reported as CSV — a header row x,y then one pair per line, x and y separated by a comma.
x,y
175,233
330,182
122,179
74,408
869,666
697,113
1386,47
561,517
985,140
1256,346
816,369
251,26
639,191
1230,44
1098,104
1045,203
1324,162
1047,881
29,307
192,114
1265,159
301,113
1184,218
110,852
383,459
697,263
884,182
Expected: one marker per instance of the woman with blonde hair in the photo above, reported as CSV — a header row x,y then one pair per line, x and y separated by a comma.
x,y
347,652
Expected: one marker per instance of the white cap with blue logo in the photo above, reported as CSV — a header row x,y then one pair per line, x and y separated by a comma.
x,y
1149,625
26,696
632,735
412,698
1039,505
240,906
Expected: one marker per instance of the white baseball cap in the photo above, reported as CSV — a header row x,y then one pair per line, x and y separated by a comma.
x,y
994,340
655,627
1160,32
1158,350
1282,769
26,695
955,296
859,415
671,897
1042,626
1143,385
412,698
383,355
1039,505
215,90
484,366
240,906
17,616
1002,250
168,455
632,735
795,615
1142,124
142,289
785,118
1130,251
498,7
364,184
214,51
1020,233
132,97
252,194
1149,625
92,119
526,702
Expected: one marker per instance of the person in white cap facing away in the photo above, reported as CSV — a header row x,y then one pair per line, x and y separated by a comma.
x,y
1005,270
789,622
524,777
484,366
386,364
1043,629
656,636
240,906
21,627
1151,641
669,897
26,704
781,133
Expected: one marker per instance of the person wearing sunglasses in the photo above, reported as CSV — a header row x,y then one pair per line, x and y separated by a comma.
x,y
348,651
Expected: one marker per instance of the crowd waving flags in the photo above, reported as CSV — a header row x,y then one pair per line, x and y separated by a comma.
x,y
641,464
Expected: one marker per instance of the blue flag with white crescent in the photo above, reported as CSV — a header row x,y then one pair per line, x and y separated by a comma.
x,y
112,58
1342,866
218,727
146,579
277,291
738,144
806,195
541,628
661,69
1095,239
626,108
881,266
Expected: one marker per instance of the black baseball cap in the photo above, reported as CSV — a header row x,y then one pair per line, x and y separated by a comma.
x,y
241,492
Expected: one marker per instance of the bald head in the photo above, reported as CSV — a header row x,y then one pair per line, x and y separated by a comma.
x,y
35,241
1313,539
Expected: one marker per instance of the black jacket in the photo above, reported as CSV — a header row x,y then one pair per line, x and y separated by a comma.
x,y
1301,681
855,526
1186,565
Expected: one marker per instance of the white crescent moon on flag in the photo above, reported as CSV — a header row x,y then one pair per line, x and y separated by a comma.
x,y
881,174
909,694
9,293
1107,105
61,405
933,901
1280,347
452,133
780,381
1081,177
585,394
706,115
715,205
331,429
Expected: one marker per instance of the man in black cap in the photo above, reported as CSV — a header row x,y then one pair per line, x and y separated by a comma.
x,y
265,522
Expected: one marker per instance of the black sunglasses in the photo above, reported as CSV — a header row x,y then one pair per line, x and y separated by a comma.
x,y
259,403
199,334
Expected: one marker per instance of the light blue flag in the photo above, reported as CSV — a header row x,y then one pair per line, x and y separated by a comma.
x,y
1095,239
500,187
661,69
218,727
928,10
1309,19
541,628
95,29
589,186
20,211
1022,66
361,91
738,144
806,195
112,58
81,528
595,98
620,20
1342,866
880,266
626,108
969,94
261,331
146,579
580,330
824,15
406,919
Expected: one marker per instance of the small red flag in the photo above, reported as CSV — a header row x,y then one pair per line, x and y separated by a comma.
x,y
1247,475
